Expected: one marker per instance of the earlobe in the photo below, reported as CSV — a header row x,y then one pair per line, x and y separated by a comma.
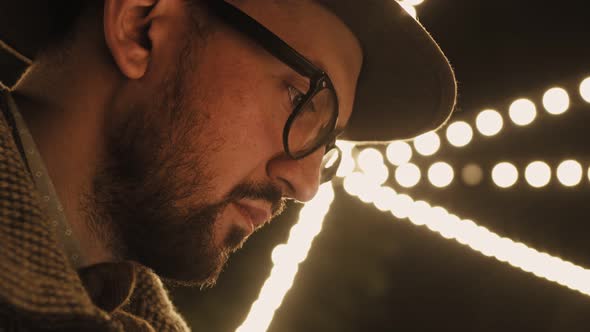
x,y
126,25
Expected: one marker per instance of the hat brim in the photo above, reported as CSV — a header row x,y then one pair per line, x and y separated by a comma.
x,y
406,86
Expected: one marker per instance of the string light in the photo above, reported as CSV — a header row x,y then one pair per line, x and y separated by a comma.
x,y
538,174
481,239
441,174
286,259
522,112
570,173
398,153
556,101
472,174
347,164
489,122
408,175
409,8
459,133
585,89
505,175
369,159
427,144
413,2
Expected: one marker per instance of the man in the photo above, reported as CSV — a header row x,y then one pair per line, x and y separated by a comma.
x,y
150,138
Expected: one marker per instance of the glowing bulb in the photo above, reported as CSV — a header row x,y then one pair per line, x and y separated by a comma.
x,y
441,174
489,122
538,174
370,159
409,8
472,174
347,164
401,206
399,153
408,175
569,173
505,175
522,112
413,2
585,89
427,144
556,101
459,133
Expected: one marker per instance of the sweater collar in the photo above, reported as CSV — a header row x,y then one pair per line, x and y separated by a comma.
x,y
36,278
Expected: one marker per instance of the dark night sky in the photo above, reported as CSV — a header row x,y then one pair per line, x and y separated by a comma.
x,y
370,272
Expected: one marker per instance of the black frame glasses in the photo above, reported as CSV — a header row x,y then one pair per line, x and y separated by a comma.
x,y
320,83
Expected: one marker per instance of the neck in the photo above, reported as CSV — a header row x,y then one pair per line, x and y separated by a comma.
x,y
65,109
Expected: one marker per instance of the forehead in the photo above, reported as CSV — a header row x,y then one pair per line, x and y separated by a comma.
x,y
318,35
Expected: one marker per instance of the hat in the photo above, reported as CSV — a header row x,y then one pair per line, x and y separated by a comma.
x,y
406,86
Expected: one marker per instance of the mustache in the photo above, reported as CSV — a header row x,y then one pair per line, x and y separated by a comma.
x,y
260,191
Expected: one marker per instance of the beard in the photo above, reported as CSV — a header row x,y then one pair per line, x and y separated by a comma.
x,y
141,203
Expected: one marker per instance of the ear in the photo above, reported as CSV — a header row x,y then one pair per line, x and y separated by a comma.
x,y
126,25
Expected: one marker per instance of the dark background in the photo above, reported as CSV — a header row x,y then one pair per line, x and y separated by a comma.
x,y
368,271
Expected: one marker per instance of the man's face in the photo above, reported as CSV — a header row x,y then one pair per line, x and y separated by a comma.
x,y
195,160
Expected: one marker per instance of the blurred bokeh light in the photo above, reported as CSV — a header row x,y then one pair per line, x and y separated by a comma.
x,y
489,122
459,133
538,174
427,144
522,112
399,153
472,174
408,175
570,173
505,175
556,101
441,174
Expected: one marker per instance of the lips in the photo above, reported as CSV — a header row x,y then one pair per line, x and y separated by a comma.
x,y
256,216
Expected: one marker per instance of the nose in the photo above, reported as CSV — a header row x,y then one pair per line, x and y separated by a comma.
x,y
299,179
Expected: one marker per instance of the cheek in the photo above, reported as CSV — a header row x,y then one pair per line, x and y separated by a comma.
x,y
247,131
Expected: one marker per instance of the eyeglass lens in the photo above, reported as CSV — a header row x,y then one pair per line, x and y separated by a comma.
x,y
313,122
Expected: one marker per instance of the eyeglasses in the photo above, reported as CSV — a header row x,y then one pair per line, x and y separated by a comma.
x,y
312,123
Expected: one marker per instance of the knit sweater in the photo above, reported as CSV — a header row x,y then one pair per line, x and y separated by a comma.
x,y
41,291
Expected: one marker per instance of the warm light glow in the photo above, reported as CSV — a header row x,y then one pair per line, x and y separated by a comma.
x,y
399,153
522,112
570,173
409,8
585,89
505,175
489,122
441,174
459,133
427,144
408,175
354,183
556,101
370,159
286,259
413,2
347,164
472,174
481,239
538,174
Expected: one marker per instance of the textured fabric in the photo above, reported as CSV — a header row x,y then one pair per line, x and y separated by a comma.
x,y
41,291
50,202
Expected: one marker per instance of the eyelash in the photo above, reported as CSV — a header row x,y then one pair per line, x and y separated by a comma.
x,y
294,95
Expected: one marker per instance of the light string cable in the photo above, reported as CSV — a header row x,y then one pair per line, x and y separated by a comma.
x,y
468,233
286,259
489,122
